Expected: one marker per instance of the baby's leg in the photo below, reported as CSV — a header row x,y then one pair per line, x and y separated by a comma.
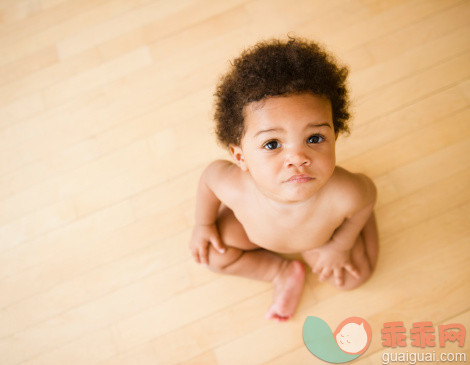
x,y
371,241
244,258
363,256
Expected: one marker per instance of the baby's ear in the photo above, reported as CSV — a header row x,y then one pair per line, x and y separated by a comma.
x,y
238,156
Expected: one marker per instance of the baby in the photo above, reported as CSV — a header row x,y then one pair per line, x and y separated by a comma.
x,y
279,110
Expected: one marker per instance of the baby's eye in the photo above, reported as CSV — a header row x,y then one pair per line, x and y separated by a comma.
x,y
316,138
272,145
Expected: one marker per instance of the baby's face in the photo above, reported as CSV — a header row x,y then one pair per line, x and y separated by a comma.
x,y
288,146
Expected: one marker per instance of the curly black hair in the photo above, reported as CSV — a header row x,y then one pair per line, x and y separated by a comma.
x,y
272,68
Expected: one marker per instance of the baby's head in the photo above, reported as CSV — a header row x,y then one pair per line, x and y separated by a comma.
x,y
278,68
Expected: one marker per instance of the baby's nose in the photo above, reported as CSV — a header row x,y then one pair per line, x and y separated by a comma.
x,y
298,158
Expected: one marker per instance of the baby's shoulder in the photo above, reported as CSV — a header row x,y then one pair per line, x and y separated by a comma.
x,y
225,179
352,191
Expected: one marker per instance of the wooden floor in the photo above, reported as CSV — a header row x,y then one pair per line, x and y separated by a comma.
x,y
106,125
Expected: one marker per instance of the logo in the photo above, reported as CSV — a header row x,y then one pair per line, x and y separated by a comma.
x,y
349,341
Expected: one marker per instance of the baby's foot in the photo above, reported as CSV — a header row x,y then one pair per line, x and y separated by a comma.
x,y
288,286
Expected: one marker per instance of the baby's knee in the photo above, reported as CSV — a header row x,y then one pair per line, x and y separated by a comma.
x,y
218,262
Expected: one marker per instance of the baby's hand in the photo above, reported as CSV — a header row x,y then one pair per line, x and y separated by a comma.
x,y
202,236
332,260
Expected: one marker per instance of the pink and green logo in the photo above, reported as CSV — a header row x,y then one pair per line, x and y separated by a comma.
x,y
350,340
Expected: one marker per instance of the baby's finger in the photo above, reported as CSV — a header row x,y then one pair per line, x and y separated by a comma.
x,y
317,270
352,270
325,274
195,255
339,277
218,245
204,255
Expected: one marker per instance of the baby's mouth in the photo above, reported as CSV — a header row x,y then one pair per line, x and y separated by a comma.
x,y
299,179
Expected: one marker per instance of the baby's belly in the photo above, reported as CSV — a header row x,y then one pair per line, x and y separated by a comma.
x,y
286,236
286,243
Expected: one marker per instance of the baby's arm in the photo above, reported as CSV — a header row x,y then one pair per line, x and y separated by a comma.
x,y
335,254
205,230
